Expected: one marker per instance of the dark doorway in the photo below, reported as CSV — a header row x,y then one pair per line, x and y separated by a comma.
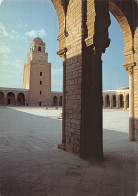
x,y
21,99
121,101
1,98
9,101
114,101
10,98
107,101
55,100
60,101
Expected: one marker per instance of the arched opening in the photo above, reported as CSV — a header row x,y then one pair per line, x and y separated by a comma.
x,y
121,101
122,20
114,74
1,98
60,101
107,101
39,48
20,99
55,101
127,101
10,98
113,100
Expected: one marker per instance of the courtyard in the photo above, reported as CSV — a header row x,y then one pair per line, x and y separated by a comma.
x,y
32,165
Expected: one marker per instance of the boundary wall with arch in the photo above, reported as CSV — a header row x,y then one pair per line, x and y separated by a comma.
x,y
116,99
83,38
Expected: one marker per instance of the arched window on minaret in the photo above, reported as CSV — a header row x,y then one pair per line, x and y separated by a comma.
x,y
39,48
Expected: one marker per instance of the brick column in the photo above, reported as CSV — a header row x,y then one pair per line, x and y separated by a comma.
x,y
98,21
91,112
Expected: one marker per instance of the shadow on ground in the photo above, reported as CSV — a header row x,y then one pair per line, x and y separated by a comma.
x,y
31,164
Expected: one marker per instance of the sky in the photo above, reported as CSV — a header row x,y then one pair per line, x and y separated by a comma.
x,y
23,20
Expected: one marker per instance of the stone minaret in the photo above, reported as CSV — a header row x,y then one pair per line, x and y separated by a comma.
x,y
37,74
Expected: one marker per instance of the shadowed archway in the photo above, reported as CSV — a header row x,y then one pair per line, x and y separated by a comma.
x,y
113,100
107,101
1,98
121,101
55,101
60,101
10,98
20,99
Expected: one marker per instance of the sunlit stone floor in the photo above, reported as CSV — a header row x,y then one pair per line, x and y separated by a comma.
x,y
31,164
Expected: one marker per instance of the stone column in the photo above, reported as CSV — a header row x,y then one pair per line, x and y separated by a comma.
x,y
5,100
125,103
117,102
129,68
110,101
103,101
62,53
16,100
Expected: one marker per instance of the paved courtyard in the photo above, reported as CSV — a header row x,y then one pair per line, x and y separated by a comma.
x,y
31,164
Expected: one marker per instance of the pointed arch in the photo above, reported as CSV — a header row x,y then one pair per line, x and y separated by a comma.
x,y
123,22
60,6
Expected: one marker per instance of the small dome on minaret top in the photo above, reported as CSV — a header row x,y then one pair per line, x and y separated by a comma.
x,y
38,39
37,51
38,45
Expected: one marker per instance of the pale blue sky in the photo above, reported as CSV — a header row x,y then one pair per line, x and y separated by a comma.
x,y
23,20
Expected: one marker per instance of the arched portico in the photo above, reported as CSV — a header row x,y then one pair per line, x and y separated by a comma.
x,y
128,28
113,101
121,101
55,101
82,40
20,99
107,101
10,98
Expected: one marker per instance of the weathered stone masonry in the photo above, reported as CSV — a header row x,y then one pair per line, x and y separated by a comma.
x,y
83,37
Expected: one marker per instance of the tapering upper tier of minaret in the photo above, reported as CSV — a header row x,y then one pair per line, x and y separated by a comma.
x,y
37,51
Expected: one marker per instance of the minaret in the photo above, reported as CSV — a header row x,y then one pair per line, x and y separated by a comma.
x,y
37,74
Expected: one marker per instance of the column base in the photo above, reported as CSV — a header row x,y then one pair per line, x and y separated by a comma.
x,y
132,139
62,147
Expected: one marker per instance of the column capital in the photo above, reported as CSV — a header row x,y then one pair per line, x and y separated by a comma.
x,y
129,67
89,41
62,53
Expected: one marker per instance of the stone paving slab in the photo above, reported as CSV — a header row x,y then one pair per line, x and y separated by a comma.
x,y
32,165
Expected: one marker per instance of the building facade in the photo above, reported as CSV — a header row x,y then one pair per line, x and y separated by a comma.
x,y
116,99
36,81
37,85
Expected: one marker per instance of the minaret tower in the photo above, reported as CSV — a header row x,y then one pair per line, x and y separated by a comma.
x,y
37,74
